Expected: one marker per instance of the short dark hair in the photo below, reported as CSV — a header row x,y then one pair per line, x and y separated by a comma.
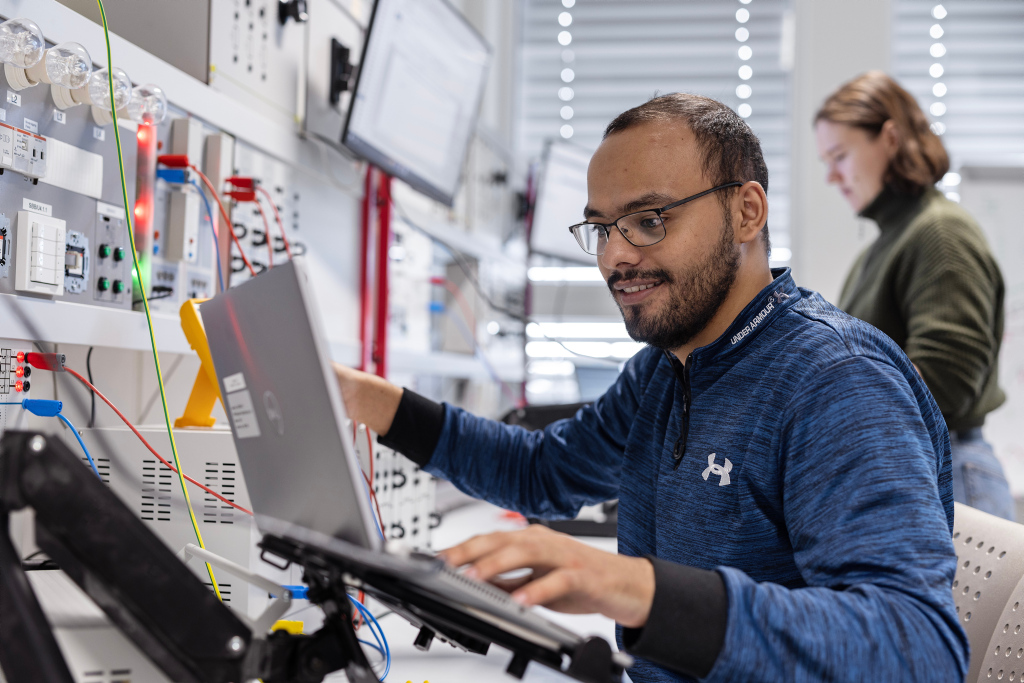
x,y
871,99
729,149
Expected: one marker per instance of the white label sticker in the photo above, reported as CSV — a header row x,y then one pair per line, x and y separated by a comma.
x,y
31,126
235,382
105,209
59,116
14,98
37,207
99,133
3,114
242,415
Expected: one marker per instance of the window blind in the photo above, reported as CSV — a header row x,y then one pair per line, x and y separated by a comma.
x,y
964,62
586,61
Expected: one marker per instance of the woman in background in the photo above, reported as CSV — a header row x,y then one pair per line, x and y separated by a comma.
x,y
929,281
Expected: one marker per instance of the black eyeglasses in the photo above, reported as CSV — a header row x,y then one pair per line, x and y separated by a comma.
x,y
640,228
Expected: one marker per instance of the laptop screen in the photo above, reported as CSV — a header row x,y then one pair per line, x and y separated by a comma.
x,y
285,408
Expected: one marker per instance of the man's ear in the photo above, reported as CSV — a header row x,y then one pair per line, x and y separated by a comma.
x,y
751,211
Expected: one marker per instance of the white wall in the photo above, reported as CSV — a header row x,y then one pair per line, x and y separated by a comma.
x,y
835,41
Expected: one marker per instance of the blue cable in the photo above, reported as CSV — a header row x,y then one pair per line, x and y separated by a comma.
x,y
372,622
80,443
374,646
209,217
48,408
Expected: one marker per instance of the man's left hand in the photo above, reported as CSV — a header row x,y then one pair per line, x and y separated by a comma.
x,y
566,575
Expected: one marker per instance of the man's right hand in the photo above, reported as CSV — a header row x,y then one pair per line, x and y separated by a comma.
x,y
368,399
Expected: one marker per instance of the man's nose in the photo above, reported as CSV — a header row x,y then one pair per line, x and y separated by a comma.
x,y
619,251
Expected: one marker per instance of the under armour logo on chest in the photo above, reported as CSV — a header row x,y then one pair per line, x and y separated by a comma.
x,y
721,470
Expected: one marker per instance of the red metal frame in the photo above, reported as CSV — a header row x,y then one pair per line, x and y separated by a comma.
x,y
373,298
365,320
380,346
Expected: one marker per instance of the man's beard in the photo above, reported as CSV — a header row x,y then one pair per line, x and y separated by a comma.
x,y
695,295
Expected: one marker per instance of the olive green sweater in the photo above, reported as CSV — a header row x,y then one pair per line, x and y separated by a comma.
x,y
930,282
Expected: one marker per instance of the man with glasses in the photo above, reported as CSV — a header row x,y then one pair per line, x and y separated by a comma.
x,y
783,474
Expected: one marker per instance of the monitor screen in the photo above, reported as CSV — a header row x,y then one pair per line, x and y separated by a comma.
x,y
416,99
561,198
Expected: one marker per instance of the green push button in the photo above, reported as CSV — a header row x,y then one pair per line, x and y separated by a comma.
x,y
103,284
119,254
118,286
104,250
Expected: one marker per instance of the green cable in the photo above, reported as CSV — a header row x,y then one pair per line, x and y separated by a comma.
x,y
145,302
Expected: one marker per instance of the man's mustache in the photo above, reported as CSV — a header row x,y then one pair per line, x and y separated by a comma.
x,y
637,274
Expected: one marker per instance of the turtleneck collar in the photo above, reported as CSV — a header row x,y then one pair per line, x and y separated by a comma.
x,y
892,209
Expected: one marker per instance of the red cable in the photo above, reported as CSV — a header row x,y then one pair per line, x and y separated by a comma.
x,y
277,217
375,504
266,235
146,443
460,298
369,482
224,215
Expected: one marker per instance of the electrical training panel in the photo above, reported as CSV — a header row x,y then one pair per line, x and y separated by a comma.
x,y
66,268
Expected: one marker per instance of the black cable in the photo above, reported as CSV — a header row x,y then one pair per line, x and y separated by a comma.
x,y
460,261
92,396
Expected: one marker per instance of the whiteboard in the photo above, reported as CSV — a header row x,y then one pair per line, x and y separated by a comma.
x,y
561,197
995,197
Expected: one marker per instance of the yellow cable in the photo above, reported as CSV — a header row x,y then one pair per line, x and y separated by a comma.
x,y
145,301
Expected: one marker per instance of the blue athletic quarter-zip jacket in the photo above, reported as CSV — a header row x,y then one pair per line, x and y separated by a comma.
x,y
799,460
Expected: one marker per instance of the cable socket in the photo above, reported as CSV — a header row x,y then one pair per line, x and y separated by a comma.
x,y
54,362
175,176
173,160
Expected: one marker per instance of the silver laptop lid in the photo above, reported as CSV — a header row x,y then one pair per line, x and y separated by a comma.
x,y
285,408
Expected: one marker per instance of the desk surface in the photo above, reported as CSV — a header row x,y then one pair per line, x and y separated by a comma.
x,y
445,664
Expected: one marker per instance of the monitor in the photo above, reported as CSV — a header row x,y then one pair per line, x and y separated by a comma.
x,y
561,198
417,95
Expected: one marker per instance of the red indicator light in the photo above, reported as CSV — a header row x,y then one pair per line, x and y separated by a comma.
x,y
18,386
143,134
20,372
140,211
21,356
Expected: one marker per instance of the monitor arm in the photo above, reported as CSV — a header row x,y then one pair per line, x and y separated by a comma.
x,y
148,593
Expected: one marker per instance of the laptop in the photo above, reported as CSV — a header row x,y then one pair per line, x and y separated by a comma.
x,y
301,469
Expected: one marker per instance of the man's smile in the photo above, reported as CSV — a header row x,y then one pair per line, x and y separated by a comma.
x,y
634,291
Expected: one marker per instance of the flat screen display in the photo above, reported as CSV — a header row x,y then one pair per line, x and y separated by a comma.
x,y
417,95
561,198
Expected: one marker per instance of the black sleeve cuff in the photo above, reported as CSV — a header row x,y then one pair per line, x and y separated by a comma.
x,y
686,627
416,428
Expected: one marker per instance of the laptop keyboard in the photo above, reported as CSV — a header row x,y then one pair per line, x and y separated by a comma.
x,y
480,588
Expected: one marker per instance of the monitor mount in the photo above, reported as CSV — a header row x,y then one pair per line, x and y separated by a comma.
x,y
173,618
147,592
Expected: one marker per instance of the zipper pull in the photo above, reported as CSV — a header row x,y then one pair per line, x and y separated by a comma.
x,y
678,451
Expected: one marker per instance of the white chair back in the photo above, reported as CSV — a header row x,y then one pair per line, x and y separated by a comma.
x,y
989,593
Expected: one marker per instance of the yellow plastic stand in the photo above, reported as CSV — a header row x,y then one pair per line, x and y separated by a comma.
x,y
205,391
292,627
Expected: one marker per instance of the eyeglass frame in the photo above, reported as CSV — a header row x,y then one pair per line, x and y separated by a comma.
x,y
658,212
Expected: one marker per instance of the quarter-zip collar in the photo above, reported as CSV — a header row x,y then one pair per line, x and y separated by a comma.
x,y
757,315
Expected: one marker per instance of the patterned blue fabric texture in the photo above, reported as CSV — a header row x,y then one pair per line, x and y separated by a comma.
x,y
816,481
